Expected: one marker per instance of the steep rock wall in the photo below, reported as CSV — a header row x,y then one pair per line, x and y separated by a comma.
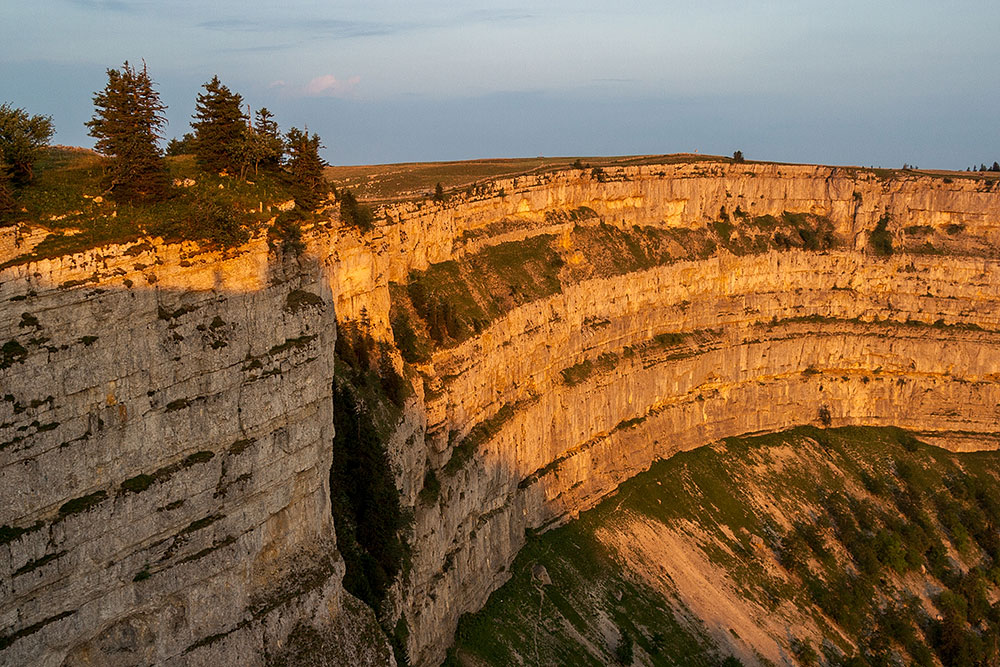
x,y
166,414
765,342
165,452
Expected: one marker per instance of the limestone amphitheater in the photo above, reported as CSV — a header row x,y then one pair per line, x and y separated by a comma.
x,y
168,411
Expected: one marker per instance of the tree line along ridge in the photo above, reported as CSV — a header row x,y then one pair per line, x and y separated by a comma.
x,y
135,173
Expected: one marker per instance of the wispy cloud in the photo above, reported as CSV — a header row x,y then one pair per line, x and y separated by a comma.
x,y
260,48
348,29
313,27
109,5
326,85
331,86
494,16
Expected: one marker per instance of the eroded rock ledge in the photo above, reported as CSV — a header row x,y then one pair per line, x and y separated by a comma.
x,y
166,420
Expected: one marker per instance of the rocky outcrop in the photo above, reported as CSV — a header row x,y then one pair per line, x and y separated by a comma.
x,y
167,421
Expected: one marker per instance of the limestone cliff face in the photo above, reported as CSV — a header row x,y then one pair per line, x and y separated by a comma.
x,y
166,423
757,343
164,462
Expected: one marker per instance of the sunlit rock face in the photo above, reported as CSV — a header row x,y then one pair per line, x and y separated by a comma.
x,y
166,418
676,355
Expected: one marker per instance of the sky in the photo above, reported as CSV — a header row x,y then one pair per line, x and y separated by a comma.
x,y
873,83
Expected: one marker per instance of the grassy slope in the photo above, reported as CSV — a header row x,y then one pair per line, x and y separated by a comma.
x,y
865,546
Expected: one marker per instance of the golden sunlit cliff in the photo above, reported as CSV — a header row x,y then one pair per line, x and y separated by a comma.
x,y
164,446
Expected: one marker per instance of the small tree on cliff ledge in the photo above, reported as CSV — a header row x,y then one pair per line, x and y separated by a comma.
x,y
307,168
127,124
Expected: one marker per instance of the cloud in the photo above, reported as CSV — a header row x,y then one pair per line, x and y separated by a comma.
x,y
493,16
330,86
109,5
329,28
316,27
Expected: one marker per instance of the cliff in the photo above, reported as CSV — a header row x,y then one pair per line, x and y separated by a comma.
x,y
592,323
165,459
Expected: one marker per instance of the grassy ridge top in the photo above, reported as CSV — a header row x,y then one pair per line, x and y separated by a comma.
x,y
415,180
68,199
388,182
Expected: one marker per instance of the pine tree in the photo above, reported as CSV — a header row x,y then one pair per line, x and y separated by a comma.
x,y
307,168
22,138
219,128
261,145
127,124
182,146
272,145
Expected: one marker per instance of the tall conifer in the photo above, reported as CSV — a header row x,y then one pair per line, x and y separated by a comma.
x,y
127,124
219,128
307,168
272,146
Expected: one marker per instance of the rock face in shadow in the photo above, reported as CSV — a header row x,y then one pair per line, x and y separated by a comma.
x,y
165,460
166,418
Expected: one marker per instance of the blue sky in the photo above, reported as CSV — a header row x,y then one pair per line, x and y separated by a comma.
x,y
390,80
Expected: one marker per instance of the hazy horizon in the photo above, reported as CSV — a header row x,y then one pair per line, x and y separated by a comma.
x,y
388,81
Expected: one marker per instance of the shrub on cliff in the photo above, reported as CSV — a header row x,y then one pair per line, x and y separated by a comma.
x,y
406,338
880,240
286,232
353,213
205,219
365,502
6,198
22,138
127,122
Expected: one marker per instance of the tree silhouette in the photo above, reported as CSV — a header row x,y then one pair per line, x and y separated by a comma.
x,y
272,146
127,124
219,127
306,167
182,146
22,138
